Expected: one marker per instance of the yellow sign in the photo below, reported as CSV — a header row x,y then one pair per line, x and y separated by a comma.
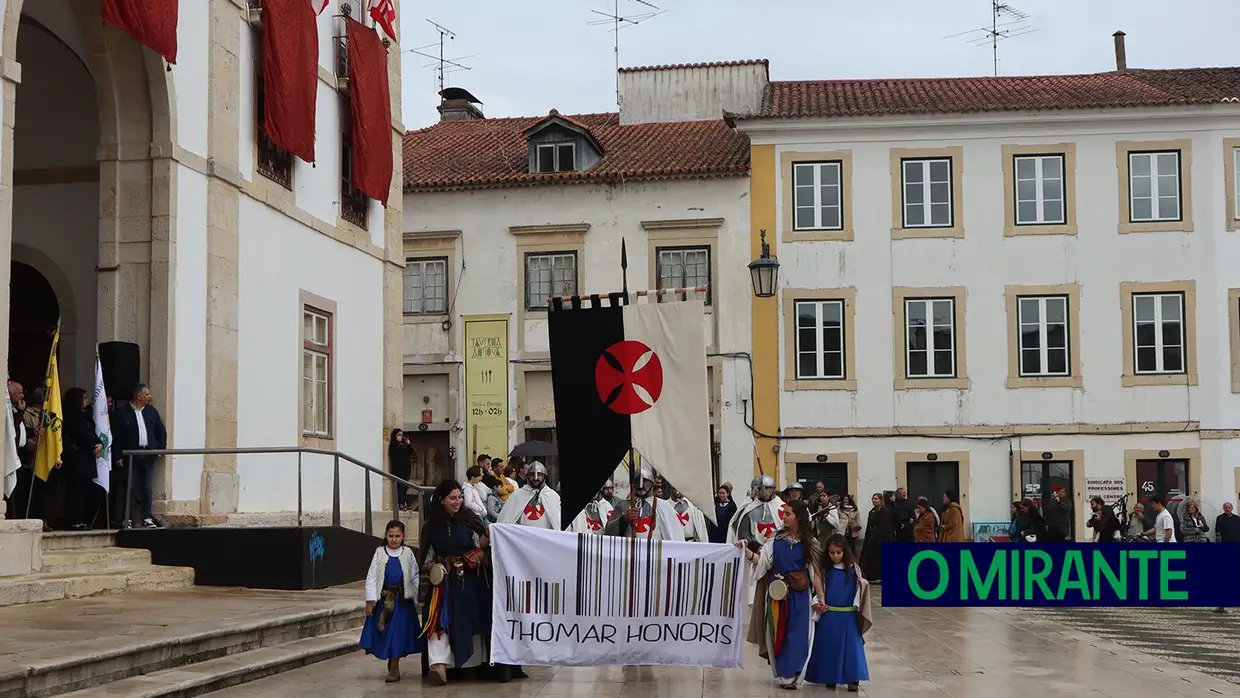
x,y
486,385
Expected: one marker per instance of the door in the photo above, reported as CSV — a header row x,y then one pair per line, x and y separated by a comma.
x,y
931,479
834,476
432,463
1161,478
1038,479
552,462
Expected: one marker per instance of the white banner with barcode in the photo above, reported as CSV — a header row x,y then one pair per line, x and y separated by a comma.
x,y
581,599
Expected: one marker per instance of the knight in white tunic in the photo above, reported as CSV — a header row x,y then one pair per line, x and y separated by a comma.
x,y
653,517
534,504
594,517
761,520
690,517
743,507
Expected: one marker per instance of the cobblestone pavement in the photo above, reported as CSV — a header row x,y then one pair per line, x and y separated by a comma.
x,y
1199,638
964,653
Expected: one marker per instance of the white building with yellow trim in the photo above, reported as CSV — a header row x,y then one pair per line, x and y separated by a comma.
x,y
1000,285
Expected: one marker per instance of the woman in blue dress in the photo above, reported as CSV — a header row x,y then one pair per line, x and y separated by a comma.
x,y
838,658
788,585
391,630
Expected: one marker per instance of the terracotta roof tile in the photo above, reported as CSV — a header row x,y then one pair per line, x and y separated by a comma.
x,y
492,153
690,66
1129,88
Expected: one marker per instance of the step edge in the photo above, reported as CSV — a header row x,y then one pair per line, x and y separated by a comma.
x,y
115,653
290,653
105,572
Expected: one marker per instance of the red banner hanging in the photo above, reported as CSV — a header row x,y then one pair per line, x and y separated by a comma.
x,y
371,103
152,23
290,75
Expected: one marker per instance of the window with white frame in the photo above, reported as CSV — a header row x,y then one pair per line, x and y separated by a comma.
x,y
1154,186
927,192
820,340
316,378
548,275
1235,180
818,196
930,337
683,267
1040,190
1158,332
555,157
426,286
1043,323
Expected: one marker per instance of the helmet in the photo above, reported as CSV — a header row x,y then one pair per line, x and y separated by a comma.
x,y
794,485
764,481
647,473
608,485
537,468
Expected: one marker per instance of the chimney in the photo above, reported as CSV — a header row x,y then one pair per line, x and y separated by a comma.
x,y
1121,57
458,104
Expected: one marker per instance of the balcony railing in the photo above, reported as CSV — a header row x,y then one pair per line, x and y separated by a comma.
x,y
273,163
256,12
353,206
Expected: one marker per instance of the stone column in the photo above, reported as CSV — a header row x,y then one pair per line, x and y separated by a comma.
x,y
10,76
393,270
220,485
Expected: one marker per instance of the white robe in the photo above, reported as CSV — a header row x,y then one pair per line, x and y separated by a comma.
x,y
583,523
545,515
776,506
667,524
693,522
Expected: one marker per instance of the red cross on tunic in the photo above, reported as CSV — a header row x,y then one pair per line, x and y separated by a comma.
x,y
594,524
684,517
534,513
643,524
767,530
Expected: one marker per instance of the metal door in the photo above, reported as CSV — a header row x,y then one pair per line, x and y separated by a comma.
x,y
930,479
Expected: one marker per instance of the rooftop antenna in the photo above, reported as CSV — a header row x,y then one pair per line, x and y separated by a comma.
x,y
442,65
618,21
1006,22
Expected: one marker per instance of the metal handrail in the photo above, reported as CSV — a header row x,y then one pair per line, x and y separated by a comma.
x,y
422,490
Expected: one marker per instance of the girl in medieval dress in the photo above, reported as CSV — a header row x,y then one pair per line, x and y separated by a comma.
x,y
391,630
456,590
838,658
785,599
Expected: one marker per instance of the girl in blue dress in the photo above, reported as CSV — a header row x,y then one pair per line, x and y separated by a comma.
x,y
787,589
839,652
391,630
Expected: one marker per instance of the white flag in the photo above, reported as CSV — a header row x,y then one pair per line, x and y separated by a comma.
x,y
11,463
99,410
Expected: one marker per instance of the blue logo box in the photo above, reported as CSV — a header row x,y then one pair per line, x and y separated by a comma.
x,y
1061,574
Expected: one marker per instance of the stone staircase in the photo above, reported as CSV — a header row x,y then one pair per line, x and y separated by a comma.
x,y
80,564
171,644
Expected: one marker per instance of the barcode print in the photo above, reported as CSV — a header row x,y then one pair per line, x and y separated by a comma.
x,y
539,596
630,578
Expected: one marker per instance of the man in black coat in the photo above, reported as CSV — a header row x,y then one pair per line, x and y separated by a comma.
x,y
1227,526
137,425
902,512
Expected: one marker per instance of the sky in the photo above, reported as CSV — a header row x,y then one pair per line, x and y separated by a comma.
x,y
528,57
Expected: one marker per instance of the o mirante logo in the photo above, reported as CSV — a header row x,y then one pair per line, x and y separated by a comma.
x,y
1068,574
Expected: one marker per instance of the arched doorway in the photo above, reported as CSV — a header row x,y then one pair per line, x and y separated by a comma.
x,y
31,324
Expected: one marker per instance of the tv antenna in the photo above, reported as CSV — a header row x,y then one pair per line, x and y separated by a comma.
x,y
618,21
1006,22
443,66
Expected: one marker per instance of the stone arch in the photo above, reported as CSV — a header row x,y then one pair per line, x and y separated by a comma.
x,y
56,277
137,240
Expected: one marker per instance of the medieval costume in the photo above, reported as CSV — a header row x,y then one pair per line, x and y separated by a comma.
x,y
838,657
782,620
594,517
691,518
392,631
742,508
655,518
534,504
760,521
456,591
878,530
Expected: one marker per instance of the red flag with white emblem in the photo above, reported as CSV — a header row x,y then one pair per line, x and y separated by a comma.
x,y
383,12
319,6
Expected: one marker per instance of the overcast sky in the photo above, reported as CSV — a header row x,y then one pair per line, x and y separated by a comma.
x,y
529,57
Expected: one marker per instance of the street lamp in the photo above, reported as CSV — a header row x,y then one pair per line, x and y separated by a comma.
x,y
764,271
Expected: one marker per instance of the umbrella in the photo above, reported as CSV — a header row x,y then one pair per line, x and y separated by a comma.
x,y
534,449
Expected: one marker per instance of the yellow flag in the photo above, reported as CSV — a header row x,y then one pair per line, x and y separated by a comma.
x,y
51,442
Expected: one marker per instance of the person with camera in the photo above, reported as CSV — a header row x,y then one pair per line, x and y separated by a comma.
x,y
1105,524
